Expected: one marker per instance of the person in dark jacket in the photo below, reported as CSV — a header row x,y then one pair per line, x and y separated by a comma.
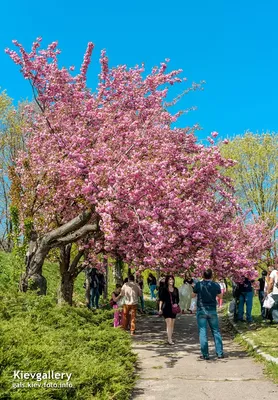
x,y
261,291
159,288
169,296
245,297
94,289
101,284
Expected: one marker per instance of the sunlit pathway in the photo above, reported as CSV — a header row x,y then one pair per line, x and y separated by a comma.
x,y
176,372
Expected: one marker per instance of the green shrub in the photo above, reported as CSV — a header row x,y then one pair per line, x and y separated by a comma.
x,y
38,336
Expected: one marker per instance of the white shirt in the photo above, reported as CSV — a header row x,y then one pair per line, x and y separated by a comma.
x,y
131,291
274,276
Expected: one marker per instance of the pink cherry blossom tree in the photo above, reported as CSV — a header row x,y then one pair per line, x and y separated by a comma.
x,y
108,166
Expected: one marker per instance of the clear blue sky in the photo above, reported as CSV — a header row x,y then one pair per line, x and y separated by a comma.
x,y
232,45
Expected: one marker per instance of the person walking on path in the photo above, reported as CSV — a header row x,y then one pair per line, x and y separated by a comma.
x,y
206,292
245,297
169,297
152,285
132,292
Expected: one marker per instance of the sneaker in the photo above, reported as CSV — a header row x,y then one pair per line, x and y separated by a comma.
x,y
204,357
132,333
220,356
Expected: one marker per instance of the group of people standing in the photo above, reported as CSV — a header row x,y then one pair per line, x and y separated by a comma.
x,y
244,292
204,292
206,295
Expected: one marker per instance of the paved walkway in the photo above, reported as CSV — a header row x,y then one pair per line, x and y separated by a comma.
x,y
176,372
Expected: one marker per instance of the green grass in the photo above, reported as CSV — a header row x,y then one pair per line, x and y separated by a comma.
x,y
264,335
36,335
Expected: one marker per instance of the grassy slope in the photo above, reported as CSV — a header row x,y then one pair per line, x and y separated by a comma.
x,y
36,335
264,335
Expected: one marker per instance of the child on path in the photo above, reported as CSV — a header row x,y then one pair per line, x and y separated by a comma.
x,y
115,305
223,288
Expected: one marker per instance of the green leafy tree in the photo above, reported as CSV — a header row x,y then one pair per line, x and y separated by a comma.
x,y
256,173
11,141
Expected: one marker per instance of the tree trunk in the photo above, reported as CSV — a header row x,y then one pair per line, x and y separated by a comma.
x,y
69,271
66,289
38,250
105,264
118,270
32,278
87,290
158,273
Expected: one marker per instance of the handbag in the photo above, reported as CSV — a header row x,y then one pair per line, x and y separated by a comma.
x,y
268,302
175,307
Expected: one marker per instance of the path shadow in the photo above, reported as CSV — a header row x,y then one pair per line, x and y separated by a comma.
x,y
151,333
151,336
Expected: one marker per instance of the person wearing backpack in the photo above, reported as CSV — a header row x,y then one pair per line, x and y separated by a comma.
x,y
207,291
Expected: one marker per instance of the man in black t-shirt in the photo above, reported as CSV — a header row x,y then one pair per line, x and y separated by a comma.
x,y
245,297
206,292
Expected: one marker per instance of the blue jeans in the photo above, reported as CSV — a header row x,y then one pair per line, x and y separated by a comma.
x,y
94,297
205,317
245,297
152,289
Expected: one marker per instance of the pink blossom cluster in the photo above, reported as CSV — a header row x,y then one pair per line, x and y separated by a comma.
x,y
162,199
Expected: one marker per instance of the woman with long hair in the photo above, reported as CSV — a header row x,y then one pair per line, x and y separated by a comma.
x,y
169,300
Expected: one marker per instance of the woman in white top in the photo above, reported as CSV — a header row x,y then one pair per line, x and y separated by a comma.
x,y
273,282
273,289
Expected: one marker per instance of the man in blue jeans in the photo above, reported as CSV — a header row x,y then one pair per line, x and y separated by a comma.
x,y
206,292
246,296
